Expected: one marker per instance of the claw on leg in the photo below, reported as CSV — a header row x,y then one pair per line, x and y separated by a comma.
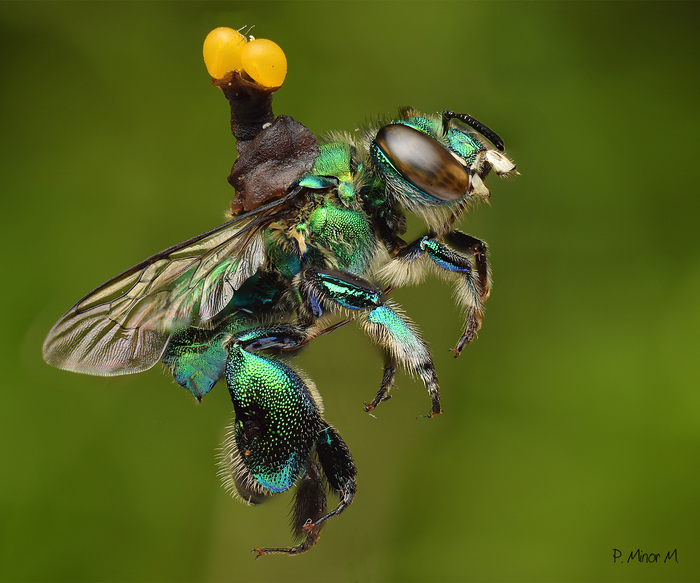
x,y
473,325
383,393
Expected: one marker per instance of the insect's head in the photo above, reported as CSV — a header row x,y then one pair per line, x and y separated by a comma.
x,y
432,167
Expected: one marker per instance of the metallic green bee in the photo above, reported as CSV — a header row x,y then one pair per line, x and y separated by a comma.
x,y
303,253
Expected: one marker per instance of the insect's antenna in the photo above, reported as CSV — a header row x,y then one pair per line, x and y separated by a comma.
x,y
483,129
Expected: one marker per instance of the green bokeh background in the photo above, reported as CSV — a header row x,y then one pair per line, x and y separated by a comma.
x,y
571,427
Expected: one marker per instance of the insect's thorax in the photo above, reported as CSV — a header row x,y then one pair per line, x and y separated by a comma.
x,y
325,233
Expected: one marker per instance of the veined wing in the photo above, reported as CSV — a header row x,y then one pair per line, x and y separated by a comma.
x,y
123,326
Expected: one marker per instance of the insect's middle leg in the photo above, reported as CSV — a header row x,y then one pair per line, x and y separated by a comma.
x,y
329,289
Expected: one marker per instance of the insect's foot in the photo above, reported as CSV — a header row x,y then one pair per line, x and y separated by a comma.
x,y
310,540
466,338
435,399
264,551
473,325
456,351
311,531
370,406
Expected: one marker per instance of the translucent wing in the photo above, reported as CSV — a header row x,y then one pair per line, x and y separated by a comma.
x,y
123,326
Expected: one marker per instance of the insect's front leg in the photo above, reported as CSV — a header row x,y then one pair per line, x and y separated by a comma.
x,y
465,263
329,290
473,285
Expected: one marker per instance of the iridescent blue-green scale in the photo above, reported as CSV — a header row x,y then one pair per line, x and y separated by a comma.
x,y
335,160
401,334
348,294
196,359
256,294
423,124
277,420
464,144
444,258
346,233
287,263
377,201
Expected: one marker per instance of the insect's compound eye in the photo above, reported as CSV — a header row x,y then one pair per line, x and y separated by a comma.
x,y
222,51
262,60
423,162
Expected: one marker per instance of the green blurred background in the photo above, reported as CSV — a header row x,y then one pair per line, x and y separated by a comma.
x,y
571,427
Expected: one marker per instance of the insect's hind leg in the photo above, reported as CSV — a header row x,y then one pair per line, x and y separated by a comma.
x,y
309,505
308,514
279,437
